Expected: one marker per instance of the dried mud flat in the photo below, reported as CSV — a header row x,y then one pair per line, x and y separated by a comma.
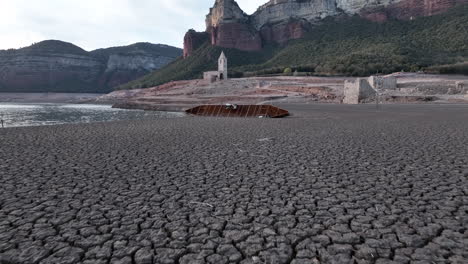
x,y
332,184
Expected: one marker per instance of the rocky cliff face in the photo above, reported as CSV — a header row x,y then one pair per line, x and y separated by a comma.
x,y
55,66
408,9
229,27
193,40
355,6
282,20
280,11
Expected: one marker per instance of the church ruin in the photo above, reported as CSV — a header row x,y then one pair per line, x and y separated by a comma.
x,y
221,74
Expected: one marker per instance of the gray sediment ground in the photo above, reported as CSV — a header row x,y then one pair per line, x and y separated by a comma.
x,y
331,184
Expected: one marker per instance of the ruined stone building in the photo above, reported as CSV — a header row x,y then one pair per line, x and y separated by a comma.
x,y
221,74
362,89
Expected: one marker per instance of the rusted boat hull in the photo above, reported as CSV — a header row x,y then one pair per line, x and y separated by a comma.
x,y
267,111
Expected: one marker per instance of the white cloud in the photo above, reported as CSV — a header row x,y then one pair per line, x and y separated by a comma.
x,y
93,24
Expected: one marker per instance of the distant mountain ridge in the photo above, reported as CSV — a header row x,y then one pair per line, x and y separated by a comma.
x,y
57,66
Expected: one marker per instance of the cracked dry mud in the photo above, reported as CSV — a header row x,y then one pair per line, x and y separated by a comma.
x,y
333,184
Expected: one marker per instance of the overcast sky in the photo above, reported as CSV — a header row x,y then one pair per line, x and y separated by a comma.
x,y
93,24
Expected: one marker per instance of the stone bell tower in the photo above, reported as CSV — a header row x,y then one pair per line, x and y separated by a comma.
x,y
222,67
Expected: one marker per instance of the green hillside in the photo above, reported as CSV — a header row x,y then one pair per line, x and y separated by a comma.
x,y
141,48
46,47
350,46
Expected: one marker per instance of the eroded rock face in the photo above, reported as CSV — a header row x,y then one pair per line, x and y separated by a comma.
x,y
55,66
229,27
41,68
281,33
355,6
280,11
414,8
281,20
193,40
236,35
409,9
17,73
225,11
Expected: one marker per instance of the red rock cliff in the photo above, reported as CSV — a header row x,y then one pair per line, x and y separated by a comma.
x,y
281,33
409,9
237,36
281,20
193,40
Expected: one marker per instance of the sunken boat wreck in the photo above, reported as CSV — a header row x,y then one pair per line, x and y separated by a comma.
x,y
232,110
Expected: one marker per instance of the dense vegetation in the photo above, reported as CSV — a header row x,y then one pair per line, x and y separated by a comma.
x,y
136,49
351,46
458,68
44,47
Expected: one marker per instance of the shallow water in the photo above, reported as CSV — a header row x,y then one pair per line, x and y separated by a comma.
x,y
22,114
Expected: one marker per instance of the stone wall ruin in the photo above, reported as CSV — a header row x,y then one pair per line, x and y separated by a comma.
x,y
358,91
383,82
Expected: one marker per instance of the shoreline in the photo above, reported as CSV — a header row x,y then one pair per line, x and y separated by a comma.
x,y
76,98
40,114
296,111
184,107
